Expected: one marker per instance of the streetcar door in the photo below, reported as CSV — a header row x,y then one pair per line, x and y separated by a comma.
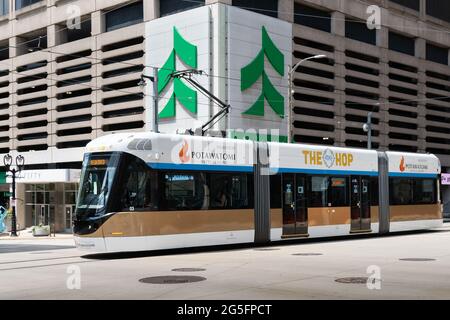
x,y
295,211
360,204
289,219
365,204
301,212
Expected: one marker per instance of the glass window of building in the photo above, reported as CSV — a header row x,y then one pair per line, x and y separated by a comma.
x,y
437,54
412,4
401,43
4,50
124,16
79,31
357,30
168,7
439,9
40,200
23,3
312,17
4,7
267,7
70,193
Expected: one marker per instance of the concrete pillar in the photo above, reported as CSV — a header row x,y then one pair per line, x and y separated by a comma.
x,y
151,10
97,23
423,9
52,35
338,29
23,220
421,96
286,10
338,23
382,37
421,48
59,207
13,50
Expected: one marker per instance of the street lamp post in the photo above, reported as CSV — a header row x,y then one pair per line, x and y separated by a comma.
x,y
19,165
291,91
154,80
367,127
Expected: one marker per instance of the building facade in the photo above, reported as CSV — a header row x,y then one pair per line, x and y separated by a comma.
x,y
69,72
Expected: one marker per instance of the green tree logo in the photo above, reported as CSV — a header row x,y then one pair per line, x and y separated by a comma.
x,y
255,70
187,53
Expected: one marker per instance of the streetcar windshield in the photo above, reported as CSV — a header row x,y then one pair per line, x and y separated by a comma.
x,y
95,184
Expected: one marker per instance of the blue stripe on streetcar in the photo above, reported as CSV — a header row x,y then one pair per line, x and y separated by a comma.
x,y
207,167
200,167
412,175
325,172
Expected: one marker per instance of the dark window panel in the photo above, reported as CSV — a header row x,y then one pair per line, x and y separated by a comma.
x,y
267,7
311,17
437,54
23,3
168,7
83,30
412,4
124,17
357,30
439,9
403,44
4,7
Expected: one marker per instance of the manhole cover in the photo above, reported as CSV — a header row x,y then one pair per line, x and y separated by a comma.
x,y
307,254
417,259
172,279
188,269
267,249
353,280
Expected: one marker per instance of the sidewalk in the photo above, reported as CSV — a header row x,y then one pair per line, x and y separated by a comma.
x,y
27,235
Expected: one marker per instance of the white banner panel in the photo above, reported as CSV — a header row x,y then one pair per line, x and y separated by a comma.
x,y
259,53
174,43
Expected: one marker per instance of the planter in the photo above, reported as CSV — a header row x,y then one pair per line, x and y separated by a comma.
x,y
41,231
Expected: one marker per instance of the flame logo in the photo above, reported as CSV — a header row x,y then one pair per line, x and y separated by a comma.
x,y
402,164
183,154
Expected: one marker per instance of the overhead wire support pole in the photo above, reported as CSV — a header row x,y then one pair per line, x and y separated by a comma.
x,y
154,80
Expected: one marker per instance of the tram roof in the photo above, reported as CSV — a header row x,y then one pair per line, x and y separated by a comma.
x,y
143,144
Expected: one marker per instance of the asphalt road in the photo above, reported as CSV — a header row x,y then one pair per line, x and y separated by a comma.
x,y
54,269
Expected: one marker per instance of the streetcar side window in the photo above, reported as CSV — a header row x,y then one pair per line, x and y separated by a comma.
x,y
410,191
401,191
141,188
230,191
319,191
374,197
185,191
339,192
424,191
329,191
275,191
134,191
